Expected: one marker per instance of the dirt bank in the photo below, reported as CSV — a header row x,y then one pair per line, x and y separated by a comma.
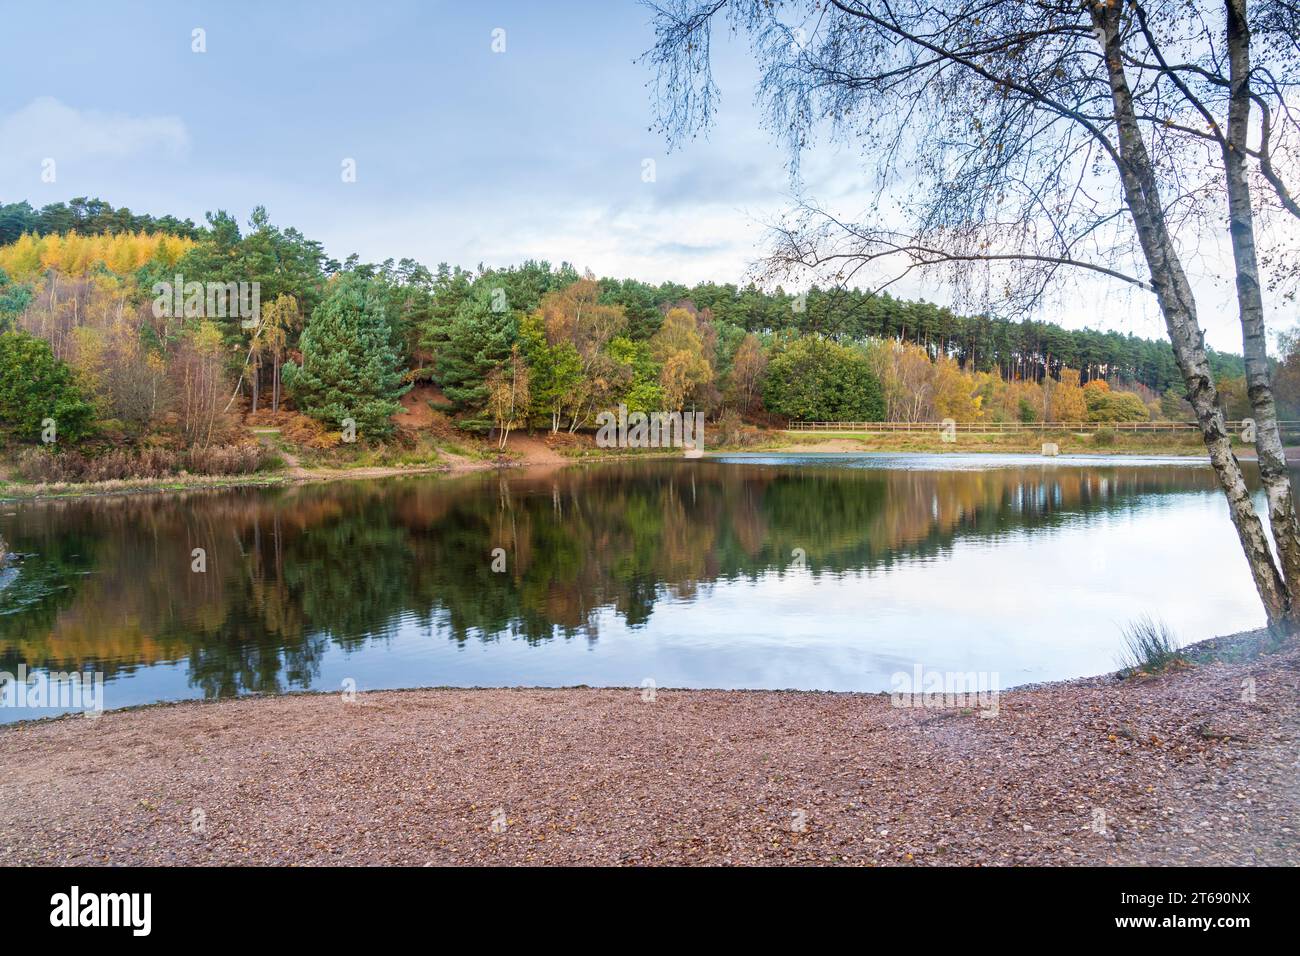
x,y
1179,769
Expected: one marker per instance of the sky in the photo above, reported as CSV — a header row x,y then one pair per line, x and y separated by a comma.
x,y
463,153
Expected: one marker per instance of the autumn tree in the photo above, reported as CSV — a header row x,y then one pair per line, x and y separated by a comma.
x,y
906,377
280,319
1064,400
575,318
679,350
78,254
509,395
199,379
1234,396
123,370
576,314
955,394
747,370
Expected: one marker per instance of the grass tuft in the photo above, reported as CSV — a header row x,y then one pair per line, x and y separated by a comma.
x,y
1150,647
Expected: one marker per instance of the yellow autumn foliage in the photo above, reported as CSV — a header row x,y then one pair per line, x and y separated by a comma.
x,y
74,254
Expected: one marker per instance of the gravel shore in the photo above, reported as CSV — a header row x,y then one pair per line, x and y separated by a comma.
x,y
1184,768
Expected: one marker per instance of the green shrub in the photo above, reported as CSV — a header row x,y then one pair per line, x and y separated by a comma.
x,y
13,300
35,386
814,379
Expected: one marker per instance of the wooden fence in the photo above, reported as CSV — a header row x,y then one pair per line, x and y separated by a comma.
x,y
1011,428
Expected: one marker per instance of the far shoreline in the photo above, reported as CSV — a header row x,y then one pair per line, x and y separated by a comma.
x,y
831,445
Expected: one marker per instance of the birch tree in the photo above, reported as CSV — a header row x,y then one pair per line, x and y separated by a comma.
x,y
509,395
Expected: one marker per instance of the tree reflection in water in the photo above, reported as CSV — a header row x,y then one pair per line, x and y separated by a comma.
x,y
107,581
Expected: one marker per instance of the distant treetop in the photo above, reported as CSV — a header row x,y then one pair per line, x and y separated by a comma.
x,y
86,216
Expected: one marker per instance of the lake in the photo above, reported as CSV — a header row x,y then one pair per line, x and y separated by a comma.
x,y
817,572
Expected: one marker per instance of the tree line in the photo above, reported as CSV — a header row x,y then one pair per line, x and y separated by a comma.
x,y
89,216
534,345
1014,350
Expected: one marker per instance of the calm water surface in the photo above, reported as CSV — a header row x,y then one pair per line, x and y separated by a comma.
x,y
819,572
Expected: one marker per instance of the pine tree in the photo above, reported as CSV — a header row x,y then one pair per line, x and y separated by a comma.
x,y
350,367
477,340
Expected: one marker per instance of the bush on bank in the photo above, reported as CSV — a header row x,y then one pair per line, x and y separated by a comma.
x,y
815,379
46,466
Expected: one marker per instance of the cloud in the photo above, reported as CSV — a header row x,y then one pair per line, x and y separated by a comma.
x,y
48,129
642,240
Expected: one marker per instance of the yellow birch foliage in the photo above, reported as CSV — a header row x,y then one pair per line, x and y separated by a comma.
x,y
1069,403
74,254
